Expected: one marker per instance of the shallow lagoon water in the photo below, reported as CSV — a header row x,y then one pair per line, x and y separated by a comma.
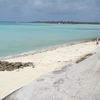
x,y
17,38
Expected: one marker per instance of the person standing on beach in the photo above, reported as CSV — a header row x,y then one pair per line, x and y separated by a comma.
x,y
97,41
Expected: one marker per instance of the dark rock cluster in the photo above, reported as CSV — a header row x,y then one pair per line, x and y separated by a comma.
x,y
10,66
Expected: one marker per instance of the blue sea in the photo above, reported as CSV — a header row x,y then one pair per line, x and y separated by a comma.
x,y
17,38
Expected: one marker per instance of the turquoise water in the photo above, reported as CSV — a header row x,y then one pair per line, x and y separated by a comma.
x,y
22,37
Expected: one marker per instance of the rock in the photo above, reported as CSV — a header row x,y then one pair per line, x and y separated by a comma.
x,y
10,66
17,65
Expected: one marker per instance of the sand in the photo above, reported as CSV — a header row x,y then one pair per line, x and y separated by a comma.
x,y
72,82
44,62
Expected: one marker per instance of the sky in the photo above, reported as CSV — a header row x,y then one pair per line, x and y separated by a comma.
x,y
34,10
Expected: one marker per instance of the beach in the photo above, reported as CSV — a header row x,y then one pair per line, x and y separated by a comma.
x,y
49,50
44,62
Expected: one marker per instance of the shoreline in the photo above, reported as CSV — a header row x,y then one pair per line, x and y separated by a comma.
x,y
32,52
45,62
76,82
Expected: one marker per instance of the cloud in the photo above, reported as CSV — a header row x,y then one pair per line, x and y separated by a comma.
x,y
50,9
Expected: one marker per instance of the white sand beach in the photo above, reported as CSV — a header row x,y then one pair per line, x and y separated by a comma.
x,y
44,62
72,82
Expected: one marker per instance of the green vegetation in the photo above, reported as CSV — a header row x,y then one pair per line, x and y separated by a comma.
x,y
65,22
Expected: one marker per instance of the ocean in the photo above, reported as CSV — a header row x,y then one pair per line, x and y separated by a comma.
x,y
17,38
